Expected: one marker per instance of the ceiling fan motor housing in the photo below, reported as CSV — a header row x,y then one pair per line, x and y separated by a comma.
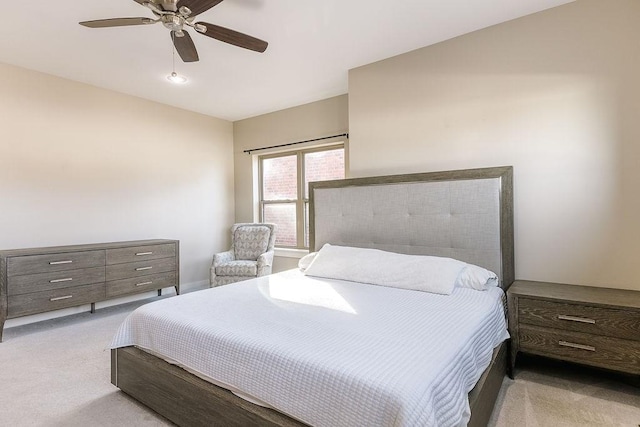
x,y
170,5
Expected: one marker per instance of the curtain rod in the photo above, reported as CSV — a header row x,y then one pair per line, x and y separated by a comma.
x,y
294,143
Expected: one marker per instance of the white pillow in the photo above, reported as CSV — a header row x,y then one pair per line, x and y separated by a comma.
x,y
422,273
306,260
475,277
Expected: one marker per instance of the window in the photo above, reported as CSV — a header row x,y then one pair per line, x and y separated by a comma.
x,y
284,189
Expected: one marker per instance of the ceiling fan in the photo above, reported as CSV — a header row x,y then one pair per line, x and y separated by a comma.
x,y
178,14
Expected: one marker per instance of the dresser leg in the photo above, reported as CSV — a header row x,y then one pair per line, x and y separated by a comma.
x,y
3,306
512,363
93,307
177,290
159,292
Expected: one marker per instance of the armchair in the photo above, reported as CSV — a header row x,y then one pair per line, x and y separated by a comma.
x,y
251,254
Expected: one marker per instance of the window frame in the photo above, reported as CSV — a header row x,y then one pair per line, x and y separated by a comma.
x,y
300,201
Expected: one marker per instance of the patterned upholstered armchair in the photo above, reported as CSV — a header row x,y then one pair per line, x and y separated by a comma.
x,y
251,254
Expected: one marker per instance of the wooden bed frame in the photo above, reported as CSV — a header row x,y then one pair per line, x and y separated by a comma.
x,y
188,400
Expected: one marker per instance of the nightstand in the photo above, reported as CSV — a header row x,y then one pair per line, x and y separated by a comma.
x,y
593,326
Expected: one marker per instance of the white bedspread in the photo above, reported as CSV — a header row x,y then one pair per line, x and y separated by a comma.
x,y
329,352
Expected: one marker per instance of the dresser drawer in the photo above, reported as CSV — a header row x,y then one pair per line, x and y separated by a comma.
x,y
141,268
595,350
140,284
54,280
32,264
38,302
140,253
580,318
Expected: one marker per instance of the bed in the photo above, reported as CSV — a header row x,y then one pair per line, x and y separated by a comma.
x,y
466,215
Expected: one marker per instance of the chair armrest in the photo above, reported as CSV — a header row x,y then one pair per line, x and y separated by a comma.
x,y
222,257
265,263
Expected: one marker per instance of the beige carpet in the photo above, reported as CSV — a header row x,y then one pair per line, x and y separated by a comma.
x,y
56,373
557,394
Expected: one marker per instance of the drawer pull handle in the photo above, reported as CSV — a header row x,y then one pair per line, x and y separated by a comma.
x,y
61,298
144,283
144,253
60,262
578,346
143,268
66,279
576,319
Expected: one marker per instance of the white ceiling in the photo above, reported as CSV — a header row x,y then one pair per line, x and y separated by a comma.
x,y
312,45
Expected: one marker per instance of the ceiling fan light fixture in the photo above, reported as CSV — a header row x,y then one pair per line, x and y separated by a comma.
x,y
176,78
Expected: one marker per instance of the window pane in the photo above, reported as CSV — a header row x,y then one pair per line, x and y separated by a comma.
x,y
284,216
323,166
279,178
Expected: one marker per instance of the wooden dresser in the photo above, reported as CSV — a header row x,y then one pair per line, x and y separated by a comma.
x,y
44,279
593,326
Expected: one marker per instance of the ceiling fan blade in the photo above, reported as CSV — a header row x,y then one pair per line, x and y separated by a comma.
x,y
185,47
117,22
233,37
198,6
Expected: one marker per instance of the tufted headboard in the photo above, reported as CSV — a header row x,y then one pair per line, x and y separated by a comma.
x,y
463,214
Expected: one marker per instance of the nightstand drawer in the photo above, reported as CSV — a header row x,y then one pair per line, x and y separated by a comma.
x,y
31,264
38,302
54,280
595,350
580,318
140,253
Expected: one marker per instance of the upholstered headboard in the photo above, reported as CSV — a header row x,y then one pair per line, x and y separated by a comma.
x,y
464,214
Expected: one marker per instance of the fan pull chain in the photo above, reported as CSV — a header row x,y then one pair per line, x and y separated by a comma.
x,y
173,51
174,77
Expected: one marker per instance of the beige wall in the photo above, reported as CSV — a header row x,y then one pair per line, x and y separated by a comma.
x,y
318,119
80,164
556,95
